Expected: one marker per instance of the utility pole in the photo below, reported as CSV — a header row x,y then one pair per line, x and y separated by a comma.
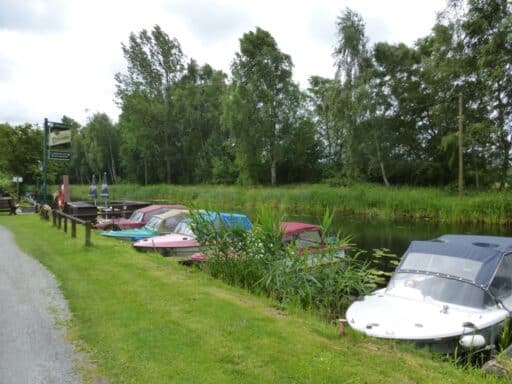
x,y
461,145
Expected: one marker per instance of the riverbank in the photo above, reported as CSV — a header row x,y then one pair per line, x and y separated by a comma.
x,y
144,318
397,203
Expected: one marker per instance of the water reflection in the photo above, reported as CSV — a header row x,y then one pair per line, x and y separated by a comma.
x,y
370,233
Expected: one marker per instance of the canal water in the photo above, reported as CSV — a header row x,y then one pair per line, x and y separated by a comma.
x,y
370,233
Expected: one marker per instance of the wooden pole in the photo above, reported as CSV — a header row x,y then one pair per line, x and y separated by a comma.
x,y
461,145
87,233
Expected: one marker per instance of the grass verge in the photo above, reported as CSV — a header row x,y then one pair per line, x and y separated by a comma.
x,y
145,319
415,203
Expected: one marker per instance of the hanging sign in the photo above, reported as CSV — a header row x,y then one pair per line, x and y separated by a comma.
x,y
60,135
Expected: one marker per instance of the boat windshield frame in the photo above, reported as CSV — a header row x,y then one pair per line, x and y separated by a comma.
x,y
154,227
136,216
451,277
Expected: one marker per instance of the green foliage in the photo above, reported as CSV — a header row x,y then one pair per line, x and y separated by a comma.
x,y
389,115
6,185
262,111
322,279
21,150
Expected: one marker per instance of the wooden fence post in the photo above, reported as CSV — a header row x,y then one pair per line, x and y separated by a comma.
x,y
87,233
59,220
65,224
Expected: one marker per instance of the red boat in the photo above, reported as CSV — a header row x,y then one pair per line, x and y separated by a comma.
x,y
138,219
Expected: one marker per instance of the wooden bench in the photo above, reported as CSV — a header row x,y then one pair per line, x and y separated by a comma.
x,y
7,204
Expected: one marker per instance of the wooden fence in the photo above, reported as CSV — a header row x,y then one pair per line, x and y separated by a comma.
x,y
60,219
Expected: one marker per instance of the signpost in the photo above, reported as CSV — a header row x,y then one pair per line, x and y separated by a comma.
x,y
57,145
59,155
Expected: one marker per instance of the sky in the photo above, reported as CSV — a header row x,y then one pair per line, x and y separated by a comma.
x,y
59,57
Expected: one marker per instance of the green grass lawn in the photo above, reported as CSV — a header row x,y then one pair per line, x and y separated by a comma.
x,y
145,319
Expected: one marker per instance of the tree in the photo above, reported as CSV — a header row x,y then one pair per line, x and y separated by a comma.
x,y
24,144
488,27
326,103
155,64
351,60
101,138
261,104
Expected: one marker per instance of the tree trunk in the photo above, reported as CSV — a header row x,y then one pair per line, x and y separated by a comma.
x,y
381,163
477,176
112,163
273,172
168,170
145,171
504,142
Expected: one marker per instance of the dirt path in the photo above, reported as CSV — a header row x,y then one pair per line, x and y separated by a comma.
x,y
33,349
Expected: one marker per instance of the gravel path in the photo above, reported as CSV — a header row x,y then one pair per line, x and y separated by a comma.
x,y
33,349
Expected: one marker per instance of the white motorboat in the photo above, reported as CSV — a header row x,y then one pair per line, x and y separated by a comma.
x,y
453,290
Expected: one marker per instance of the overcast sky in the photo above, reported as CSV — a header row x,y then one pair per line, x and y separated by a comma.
x,y
59,57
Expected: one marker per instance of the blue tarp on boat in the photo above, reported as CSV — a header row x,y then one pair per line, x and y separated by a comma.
x,y
230,220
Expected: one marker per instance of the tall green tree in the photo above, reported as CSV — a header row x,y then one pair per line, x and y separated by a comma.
x,y
351,60
101,138
261,104
488,29
155,65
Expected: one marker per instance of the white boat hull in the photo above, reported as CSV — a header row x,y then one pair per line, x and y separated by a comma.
x,y
385,316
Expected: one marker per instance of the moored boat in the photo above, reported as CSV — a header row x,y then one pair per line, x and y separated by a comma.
x,y
452,291
183,242
138,218
157,225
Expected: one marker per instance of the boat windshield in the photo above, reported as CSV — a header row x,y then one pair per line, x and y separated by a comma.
x,y
306,239
183,228
154,223
449,265
422,287
136,216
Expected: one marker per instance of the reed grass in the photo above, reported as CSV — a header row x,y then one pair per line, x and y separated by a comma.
x,y
413,203
322,279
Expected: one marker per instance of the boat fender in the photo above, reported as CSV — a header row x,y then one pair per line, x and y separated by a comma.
x,y
472,341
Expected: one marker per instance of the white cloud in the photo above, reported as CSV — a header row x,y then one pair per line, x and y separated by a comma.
x,y
60,57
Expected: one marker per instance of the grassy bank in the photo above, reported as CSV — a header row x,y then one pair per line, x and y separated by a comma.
x,y
362,199
145,319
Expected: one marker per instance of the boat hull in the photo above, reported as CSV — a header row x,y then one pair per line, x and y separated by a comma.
x,y
436,324
170,245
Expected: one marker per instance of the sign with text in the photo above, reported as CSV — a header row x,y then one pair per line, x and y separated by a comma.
x,y
59,155
58,137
